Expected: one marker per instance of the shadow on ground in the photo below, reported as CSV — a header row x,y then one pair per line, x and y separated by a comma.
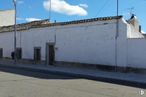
x,y
34,73
42,74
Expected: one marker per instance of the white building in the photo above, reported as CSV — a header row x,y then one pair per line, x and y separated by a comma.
x,y
7,17
90,41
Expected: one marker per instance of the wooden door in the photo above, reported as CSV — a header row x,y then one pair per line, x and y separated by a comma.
x,y
37,54
51,54
1,53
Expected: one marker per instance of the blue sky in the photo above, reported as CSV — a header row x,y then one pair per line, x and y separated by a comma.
x,y
66,10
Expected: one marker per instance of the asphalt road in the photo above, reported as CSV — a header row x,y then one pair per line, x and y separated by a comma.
x,y
22,83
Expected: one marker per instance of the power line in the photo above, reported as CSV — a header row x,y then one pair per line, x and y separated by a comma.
x,y
131,10
50,10
105,3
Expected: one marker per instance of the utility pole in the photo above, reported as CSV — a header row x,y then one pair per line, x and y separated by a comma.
x,y
15,30
50,10
116,37
117,7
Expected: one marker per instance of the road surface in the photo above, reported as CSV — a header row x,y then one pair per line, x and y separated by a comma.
x,y
22,83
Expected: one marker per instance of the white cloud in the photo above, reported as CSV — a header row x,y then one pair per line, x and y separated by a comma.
x,y
20,19
20,1
28,19
83,5
143,32
61,6
32,19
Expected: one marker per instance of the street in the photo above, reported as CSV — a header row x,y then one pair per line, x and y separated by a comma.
x,y
22,83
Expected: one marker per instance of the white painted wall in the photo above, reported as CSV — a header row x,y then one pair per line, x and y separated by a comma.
x,y
7,17
122,44
137,53
34,38
84,43
6,42
92,43
87,44
133,33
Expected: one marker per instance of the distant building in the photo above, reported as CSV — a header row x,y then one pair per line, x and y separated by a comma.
x,y
7,17
89,41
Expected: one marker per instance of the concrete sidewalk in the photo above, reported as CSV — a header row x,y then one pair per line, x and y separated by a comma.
x,y
131,79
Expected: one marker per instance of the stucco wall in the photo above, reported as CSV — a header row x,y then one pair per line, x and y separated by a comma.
x,y
92,43
86,44
34,38
7,17
6,42
137,53
122,44
133,33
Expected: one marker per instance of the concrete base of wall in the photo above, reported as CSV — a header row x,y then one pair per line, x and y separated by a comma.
x,y
136,70
22,61
101,67
77,65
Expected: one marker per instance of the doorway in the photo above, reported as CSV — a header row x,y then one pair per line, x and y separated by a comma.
x,y
19,53
37,54
50,53
1,53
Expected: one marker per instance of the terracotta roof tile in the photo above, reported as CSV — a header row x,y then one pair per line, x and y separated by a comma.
x,y
46,23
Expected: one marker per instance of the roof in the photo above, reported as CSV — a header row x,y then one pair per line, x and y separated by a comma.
x,y
46,23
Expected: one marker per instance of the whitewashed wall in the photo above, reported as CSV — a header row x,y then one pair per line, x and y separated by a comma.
x,y
6,42
7,17
92,43
86,44
133,32
122,44
137,53
34,38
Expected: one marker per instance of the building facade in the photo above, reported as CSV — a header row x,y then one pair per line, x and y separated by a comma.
x,y
7,17
90,41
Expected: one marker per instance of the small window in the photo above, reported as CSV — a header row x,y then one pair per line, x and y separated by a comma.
x,y
37,54
19,53
1,53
